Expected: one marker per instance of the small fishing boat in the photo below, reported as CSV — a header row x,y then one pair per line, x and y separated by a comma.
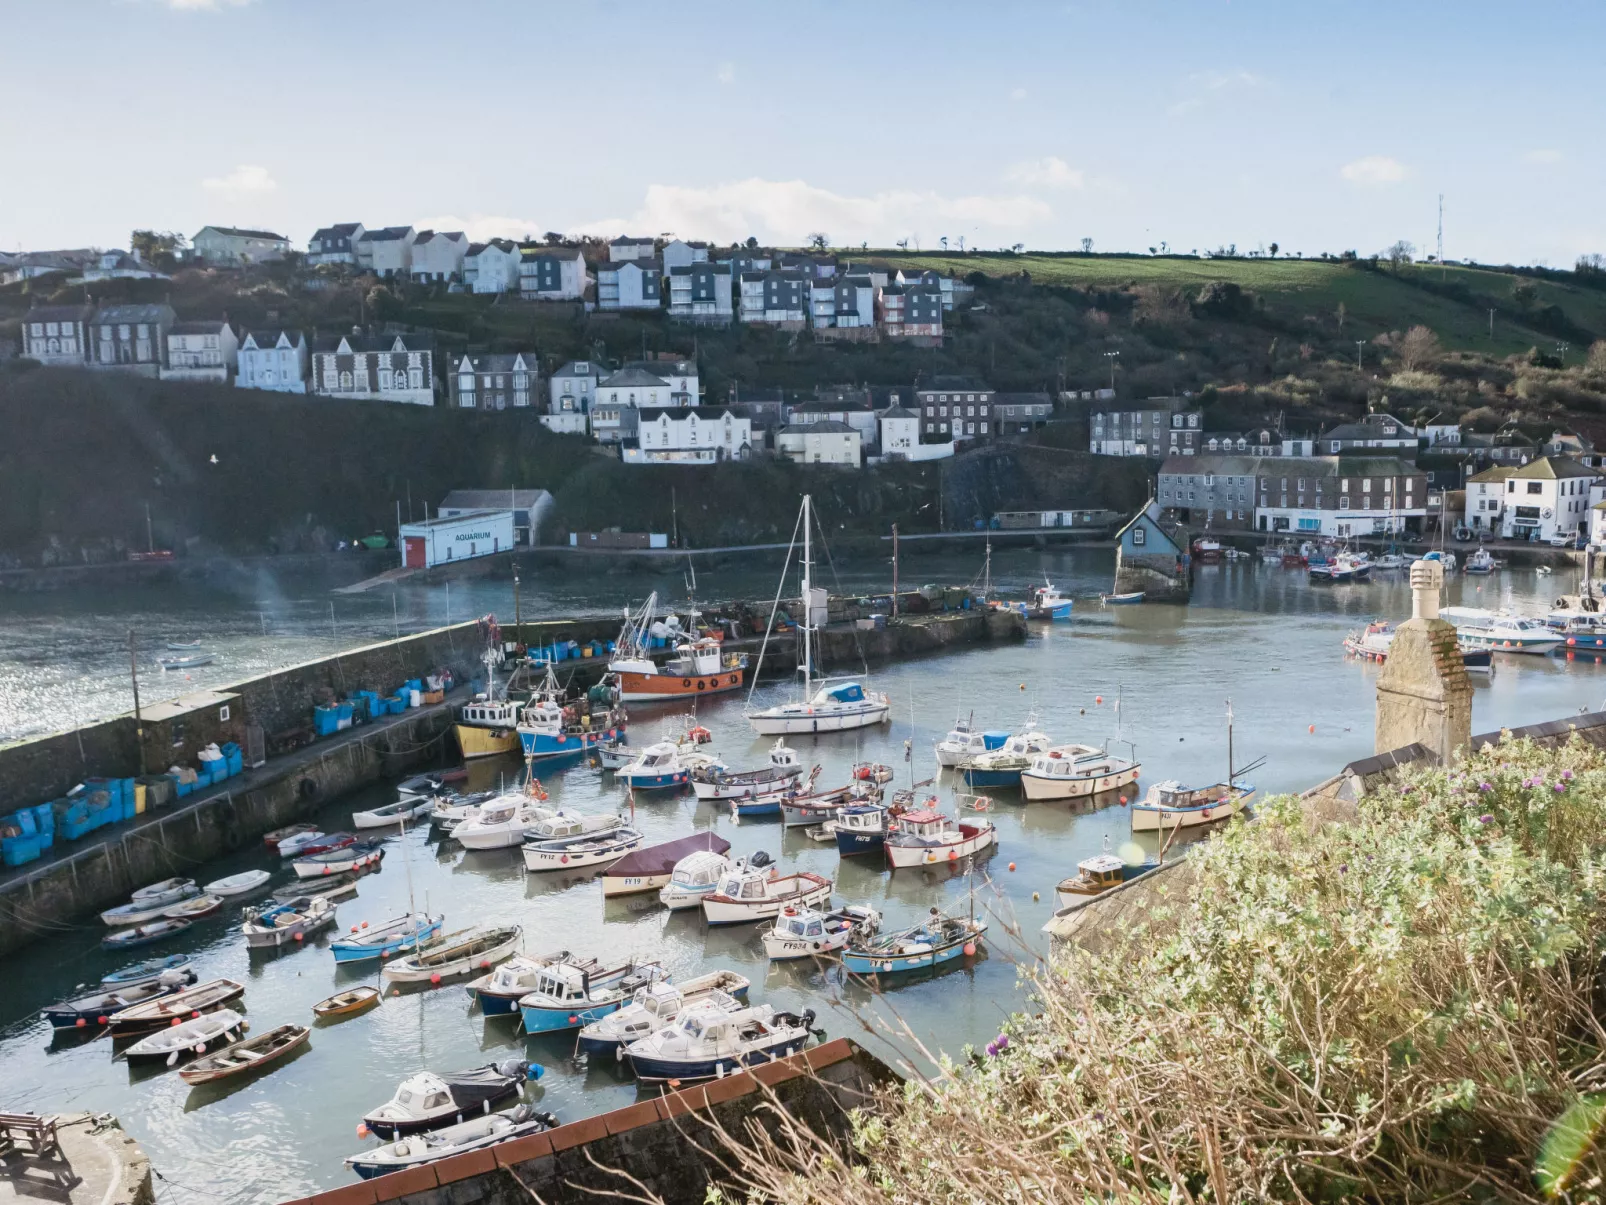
x,y
665,765
500,823
693,877
243,883
1206,550
932,942
859,829
315,843
195,1036
1131,598
195,907
1390,561
335,887
876,773
134,914
499,991
816,808
247,1055
716,782
160,1014
475,1134
614,754
148,971
427,1101
1002,767
1501,633
1099,874
707,1042
1046,602
1479,562
768,803
1344,567
144,935
396,936
272,837
293,844
811,933
925,838
1075,772
182,646
562,825
574,853
392,813
654,867
752,890
460,953
567,996
347,1004
964,743
1170,805
98,1007
275,925
430,783
1372,644
168,891
451,809
548,729
185,661
698,666
357,856
656,1005
487,726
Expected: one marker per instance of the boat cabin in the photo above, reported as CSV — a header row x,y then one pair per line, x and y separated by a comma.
x,y
696,657
659,756
861,818
784,757
421,1095
1101,872
555,828
804,922
1172,794
491,713
924,825
842,692
560,981
542,716
743,883
1069,761
699,870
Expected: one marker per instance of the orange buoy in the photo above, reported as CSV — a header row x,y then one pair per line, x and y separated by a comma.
x,y
174,1021
1311,729
80,1023
362,1129
1099,699
970,949
435,978
953,855
1012,866
365,924
299,936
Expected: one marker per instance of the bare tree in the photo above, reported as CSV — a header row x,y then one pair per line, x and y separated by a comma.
x,y
1418,348
1274,250
1596,363
819,240
903,244
1399,253
1341,313
944,241
1087,246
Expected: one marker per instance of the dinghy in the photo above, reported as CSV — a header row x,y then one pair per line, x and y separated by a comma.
x,y
185,661
707,1042
573,853
315,843
715,782
567,996
144,935
339,861
239,884
292,844
810,933
429,784
499,991
1130,599
752,890
392,813
246,1055
803,810
148,971
653,867
427,1101
96,1009
694,876
193,1037
656,1005
273,837
396,936
335,887
476,1134
195,907
159,1014
460,953
276,925
168,891
134,914
450,810
347,1004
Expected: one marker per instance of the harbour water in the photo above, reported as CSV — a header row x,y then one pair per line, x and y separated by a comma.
x,y
1263,637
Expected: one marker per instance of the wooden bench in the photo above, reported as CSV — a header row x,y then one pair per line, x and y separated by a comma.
x,y
39,1131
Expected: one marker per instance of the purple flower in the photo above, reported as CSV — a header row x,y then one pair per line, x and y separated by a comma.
x,y
1002,1041
1567,775
1483,786
992,1050
1486,819
1560,787
1343,868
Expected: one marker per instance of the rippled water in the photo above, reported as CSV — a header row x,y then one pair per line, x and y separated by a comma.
x,y
1262,636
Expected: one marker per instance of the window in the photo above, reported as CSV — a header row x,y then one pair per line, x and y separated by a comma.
x,y
1343,504
1534,487
1140,536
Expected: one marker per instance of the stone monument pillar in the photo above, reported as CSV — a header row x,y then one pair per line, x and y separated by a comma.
x,y
1423,695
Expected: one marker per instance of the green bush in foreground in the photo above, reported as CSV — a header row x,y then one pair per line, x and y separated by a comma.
x,y
1400,1008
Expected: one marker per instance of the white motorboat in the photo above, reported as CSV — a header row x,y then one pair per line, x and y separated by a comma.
x,y
185,661
567,996
665,765
707,1042
716,782
811,933
1171,805
925,838
460,953
287,924
451,810
427,1101
1002,766
476,1134
239,884
1501,633
835,707
392,813
965,742
754,890
292,845
694,876
588,849
501,822
1076,771
195,1036
499,991
1479,562
656,1005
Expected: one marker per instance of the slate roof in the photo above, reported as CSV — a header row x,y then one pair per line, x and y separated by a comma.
x,y
134,313
514,499
497,361
1553,468
536,251
59,313
579,368
627,377
651,414
338,230
266,339
896,411
386,235
203,327
828,425
236,232
701,266
1498,472
946,384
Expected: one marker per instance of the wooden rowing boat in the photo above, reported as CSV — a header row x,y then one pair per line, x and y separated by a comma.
x,y
347,1004
248,1054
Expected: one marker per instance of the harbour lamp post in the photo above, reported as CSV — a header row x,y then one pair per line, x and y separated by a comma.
x,y
1111,357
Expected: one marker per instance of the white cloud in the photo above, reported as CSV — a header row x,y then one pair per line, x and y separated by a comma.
x,y
726,73
1373,170
1017,94
785,211
1049,172
1544,155
483,227
1202,86
245,179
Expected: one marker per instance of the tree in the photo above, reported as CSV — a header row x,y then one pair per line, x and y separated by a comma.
x,y
944,241
1419,348
159,248
553,238
752,243
1523,293
1399,253
1087,246
819,240
1596,363
1274,250
903,244
1018,248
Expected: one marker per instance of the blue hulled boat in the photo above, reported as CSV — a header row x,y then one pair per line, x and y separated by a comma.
x,y
931,943
706,1041
567,996
401,935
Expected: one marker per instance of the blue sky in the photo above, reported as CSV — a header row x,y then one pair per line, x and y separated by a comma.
x,y
1320,127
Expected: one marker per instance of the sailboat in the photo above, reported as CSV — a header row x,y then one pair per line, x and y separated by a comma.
x,y
836,706
1171,805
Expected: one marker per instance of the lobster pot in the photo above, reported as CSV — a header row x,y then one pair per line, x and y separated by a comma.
x,y
817,609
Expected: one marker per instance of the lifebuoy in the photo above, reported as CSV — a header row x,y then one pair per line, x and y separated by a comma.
x,y
735,679
685,682
701,685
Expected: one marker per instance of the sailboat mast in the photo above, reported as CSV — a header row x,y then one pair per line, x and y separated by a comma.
x,y
808,615
1229,748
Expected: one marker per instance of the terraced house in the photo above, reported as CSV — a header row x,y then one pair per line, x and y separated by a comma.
x,y
130,338
495,382
383,368
57,334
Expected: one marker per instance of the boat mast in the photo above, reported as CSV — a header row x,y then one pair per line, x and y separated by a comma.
x,y
1229,749
808,617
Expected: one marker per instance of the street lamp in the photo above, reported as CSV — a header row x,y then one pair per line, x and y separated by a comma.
x,y
1111,356
1359,343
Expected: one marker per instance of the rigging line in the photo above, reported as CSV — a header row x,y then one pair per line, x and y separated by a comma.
x,y
858,642
775,607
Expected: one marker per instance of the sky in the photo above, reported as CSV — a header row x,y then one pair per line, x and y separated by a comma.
x,y
1197,124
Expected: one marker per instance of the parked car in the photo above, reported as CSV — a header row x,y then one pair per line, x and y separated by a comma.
x,y
1561,541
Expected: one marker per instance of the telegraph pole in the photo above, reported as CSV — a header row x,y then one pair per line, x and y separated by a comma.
x,y
1359,343
139,719
894,571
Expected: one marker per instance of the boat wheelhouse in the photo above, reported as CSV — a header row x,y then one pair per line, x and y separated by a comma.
x,y
928,837
753,890
1075,772
1171,805
567,996
707,1042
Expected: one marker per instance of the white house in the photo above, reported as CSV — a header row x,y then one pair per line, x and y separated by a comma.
x,y
1443,434
387,368
900,437
694,435
631,388
57,334
130,338
438,255
1548,496
335,244
635,284
387,252
700,292
625,248
679,375
275,360
1486,497
495,382
573,388
551,273
200,351
230,245
491,267
121,265
679,254
825,442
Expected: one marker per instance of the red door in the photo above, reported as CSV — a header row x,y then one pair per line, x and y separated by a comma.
x,y
413,553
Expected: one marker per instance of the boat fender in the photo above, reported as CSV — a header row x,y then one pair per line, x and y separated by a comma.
x,y
701,685
307,788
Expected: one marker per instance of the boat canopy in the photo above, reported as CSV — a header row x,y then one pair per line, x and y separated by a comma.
x,y
847,692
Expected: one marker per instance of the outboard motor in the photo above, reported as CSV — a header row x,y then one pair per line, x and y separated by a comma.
x,y
760,859
513,1069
